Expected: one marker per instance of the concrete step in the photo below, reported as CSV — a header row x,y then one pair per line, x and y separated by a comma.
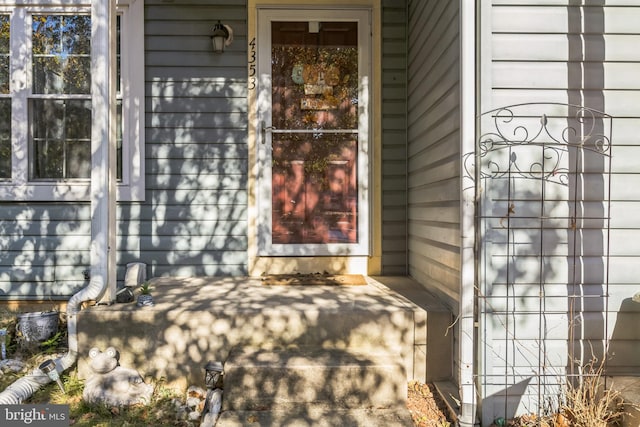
x,y
318,417
269,379
195,320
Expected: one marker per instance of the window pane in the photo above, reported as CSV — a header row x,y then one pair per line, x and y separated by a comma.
x,y
118,55
5,103
61,54
314,75
4,74
4,54
314,189
61,128
5,138
119,125
61,146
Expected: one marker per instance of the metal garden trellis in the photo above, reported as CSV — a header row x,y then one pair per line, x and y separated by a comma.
x,y
542,174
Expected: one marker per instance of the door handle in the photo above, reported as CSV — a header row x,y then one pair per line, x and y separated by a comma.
x,y
264,129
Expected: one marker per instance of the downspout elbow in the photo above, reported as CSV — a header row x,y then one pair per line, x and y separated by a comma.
x,y
93,291
24,387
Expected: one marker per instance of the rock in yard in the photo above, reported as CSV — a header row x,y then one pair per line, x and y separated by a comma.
x,y
194,415
193,402
13,365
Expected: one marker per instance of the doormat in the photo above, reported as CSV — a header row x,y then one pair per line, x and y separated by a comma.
x,y
316,279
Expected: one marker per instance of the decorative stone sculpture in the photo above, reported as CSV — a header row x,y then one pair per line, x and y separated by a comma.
x,y
112,384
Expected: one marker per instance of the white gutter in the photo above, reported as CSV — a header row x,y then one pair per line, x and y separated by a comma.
x,y
103,195
466,345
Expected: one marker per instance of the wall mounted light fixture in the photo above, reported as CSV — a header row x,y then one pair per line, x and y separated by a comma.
x,y
222,36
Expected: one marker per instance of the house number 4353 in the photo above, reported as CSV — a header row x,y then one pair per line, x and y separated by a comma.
x,y
252,64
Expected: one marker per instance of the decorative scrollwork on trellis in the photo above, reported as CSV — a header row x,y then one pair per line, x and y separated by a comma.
x,y
555,133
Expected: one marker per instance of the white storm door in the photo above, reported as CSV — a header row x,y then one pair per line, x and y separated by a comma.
x,y
313,132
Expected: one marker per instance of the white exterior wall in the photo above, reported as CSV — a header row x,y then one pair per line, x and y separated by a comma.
x,y
547,51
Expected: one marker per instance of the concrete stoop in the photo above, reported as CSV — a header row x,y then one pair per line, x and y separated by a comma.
x,y
293,355
196,320
314,386
318,417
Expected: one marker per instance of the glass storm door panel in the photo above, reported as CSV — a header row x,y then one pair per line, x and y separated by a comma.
x,y
314,133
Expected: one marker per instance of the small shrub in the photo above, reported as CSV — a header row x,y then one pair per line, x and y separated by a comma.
x,y
584,402
589,404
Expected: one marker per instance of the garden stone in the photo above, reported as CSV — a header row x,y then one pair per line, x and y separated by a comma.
x,y
193,402
182,412
194,415
13,365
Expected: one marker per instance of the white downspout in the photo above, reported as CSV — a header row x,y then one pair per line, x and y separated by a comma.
x,y
466,345
103,195
24,387
103,145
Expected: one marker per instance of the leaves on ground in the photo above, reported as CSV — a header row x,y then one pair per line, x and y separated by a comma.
x,y
426,407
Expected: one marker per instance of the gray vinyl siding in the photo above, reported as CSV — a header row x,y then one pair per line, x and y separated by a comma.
x,y
194,219
551,52
44,249
434,147
394,138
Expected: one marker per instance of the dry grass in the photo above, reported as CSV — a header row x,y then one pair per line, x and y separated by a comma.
x,y
585,402
589,404
160,412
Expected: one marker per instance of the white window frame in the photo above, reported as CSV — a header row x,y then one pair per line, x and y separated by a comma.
x,y
132,186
